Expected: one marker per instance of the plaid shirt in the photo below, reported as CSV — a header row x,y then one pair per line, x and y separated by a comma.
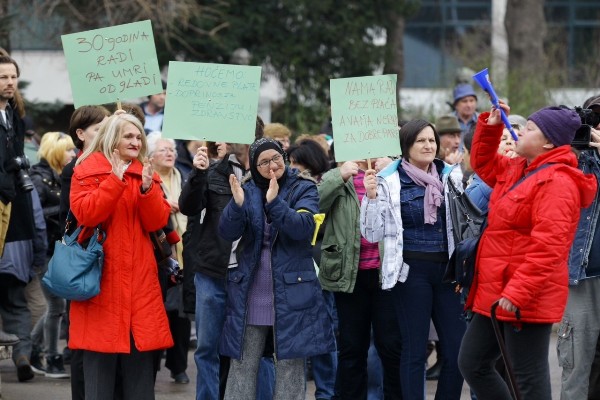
x,y
380,219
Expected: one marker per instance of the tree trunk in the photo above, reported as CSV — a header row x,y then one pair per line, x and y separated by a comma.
x,y
526,30
4,26
394,51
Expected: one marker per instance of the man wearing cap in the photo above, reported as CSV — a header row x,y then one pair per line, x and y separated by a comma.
x,y
580,327
465,106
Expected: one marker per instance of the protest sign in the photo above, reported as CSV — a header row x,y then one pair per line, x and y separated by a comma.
x,y
112,64
215,102
364,117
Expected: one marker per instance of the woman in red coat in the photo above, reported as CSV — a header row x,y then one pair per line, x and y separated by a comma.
x,y
522,256
114,187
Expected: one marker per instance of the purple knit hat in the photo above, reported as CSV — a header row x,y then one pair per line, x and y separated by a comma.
x,y
558,124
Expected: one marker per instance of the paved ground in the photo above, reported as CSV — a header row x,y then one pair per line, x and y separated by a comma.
x,y
41,388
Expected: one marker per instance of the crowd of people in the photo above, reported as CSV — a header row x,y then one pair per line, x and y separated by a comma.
x,y
295,265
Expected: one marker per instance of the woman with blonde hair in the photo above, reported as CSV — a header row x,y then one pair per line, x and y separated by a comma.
x,y
56,150
115,186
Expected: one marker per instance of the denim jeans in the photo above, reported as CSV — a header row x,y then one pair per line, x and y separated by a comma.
x,y
47,328
527,350
375,371
211,295
325,365
423,297
367,307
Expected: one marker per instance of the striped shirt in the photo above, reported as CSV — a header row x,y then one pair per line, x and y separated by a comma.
x,y
369,252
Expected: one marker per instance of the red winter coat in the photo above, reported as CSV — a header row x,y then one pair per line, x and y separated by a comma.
x,y
130,300
524,250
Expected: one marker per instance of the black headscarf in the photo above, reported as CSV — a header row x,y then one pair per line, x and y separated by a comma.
x,y
258,147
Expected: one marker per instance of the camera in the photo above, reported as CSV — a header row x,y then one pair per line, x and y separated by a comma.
x,y
583,135
24,182
171,267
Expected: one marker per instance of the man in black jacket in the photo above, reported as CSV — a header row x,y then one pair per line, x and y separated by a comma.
x,y
209,256
22,231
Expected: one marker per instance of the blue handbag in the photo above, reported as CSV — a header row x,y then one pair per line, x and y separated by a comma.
x,y
74,272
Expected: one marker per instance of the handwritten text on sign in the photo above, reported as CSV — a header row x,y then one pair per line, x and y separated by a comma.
x,y
216,102
364,117
110,64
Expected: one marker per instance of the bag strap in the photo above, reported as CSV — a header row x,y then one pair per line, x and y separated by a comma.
x,y
527,175
99,233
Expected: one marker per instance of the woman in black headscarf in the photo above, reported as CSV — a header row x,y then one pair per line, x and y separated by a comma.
x,y
275,286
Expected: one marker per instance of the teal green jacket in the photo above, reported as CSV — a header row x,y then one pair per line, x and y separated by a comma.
x,y
340,250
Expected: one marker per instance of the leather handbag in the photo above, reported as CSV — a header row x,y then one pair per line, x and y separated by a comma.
x,y
468,221
466,217
74,272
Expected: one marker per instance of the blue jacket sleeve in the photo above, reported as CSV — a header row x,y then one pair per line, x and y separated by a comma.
x,y
233,220
298,221
479,192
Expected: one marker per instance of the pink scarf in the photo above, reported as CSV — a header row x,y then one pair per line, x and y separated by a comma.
x,y
433,188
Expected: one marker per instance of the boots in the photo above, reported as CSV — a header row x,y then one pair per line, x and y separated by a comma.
x,y
55,368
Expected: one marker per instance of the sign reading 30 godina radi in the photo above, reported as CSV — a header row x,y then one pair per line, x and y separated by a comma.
x,y
112,64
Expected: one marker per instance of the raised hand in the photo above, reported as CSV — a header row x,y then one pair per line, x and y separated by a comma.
x,y
348,169
273,188
370,182
147,173
118,165
201,158
495,117
236,190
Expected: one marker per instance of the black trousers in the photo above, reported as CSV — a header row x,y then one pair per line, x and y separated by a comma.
x,y
177,356
135,370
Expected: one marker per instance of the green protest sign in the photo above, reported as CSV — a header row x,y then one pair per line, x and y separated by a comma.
x,y
112,64
215,102
364,117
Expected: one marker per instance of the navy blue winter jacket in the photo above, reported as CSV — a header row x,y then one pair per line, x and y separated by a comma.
x,y
302,325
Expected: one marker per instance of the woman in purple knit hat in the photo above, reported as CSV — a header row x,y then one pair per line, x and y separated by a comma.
x,y
521,262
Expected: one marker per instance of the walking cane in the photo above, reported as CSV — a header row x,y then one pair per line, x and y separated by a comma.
x,y
512,382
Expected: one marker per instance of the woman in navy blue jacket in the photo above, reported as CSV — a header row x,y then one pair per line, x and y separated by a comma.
x,y
275,286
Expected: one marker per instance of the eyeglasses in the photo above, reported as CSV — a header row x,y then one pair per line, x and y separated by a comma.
x,y
165,150
265,164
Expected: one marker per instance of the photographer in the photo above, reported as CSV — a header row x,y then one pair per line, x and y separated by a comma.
x,y
579,329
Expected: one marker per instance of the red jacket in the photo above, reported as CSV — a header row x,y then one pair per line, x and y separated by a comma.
x,y
130,301
523,252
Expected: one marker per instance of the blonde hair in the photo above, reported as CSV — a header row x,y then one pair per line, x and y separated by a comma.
x,y
53,147
109,134
276,130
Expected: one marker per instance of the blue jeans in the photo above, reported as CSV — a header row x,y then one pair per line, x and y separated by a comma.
x,y
325,365
375,371
423,297
211,296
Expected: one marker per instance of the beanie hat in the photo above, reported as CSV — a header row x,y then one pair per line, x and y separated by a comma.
x,y
463,90
256,148
447,124
516,119
558,124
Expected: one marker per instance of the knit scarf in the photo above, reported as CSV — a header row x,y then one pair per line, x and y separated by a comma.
x,y
433,188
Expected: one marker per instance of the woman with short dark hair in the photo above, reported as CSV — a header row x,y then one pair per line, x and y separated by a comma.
x,y
406,208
